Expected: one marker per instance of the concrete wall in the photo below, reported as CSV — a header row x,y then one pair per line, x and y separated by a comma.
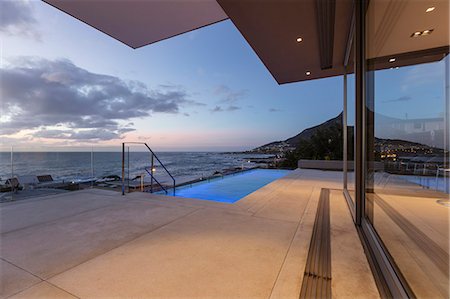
x,y
332,165
324,164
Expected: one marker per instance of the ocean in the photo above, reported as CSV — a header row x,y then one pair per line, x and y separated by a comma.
x,y
80,166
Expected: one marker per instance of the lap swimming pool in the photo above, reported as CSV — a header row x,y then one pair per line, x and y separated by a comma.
x,y
231,188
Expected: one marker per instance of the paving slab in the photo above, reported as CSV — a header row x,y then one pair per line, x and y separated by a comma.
x,y
170,201
255,200
43,290
46,250
30,212
209,253
289,281
13,279
350,270
287,204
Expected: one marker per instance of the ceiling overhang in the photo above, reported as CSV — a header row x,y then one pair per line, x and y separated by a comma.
x,y
272,29
143,22
390,33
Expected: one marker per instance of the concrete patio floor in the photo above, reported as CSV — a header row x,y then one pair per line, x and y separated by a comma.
x,y
99,244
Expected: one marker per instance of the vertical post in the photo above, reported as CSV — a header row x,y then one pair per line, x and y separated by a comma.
x,y
447,125
359,113
12,173
151,171
12,161
344,131
123,168
369,142
128,168
92,167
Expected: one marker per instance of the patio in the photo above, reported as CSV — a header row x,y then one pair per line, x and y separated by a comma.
x,y
99,244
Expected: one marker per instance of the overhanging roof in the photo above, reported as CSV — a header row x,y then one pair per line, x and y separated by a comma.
x,y
143,22
272,27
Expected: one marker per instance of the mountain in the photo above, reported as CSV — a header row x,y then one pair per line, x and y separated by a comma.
x,y
399,147
293,142
308,133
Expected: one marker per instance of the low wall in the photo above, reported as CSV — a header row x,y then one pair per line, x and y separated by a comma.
x,y
333,165
324,164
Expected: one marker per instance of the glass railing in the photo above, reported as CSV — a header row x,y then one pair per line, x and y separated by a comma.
x,y
39,171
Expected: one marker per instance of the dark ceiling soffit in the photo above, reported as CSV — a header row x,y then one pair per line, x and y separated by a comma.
x,y
157,41
133,47
409,58
52,5
223,4
326,14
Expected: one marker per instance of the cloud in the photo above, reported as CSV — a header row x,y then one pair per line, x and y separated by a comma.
x,y
413,77
229,108
233,108
39,93
17,18
274,110
400,99
84,135
217,109
228,95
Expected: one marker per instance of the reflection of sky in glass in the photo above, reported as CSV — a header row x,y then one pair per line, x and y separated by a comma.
x,y
410,103
411,92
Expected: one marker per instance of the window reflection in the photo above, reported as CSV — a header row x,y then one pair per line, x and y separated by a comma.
x,y
407,176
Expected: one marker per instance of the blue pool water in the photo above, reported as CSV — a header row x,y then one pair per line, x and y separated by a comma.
x,y
231,188
440,184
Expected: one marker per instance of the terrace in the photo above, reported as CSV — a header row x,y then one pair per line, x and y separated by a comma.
x,y
98,244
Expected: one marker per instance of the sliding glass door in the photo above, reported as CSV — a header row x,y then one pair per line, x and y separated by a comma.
x,y
406,140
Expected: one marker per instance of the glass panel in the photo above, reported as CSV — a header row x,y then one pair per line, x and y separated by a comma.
x,y
30,172
407,167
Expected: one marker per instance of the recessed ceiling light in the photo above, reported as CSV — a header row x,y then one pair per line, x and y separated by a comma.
x,y
430,9
421,33
299,39
308,73
392,60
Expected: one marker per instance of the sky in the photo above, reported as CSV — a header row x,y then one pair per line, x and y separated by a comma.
x,y
66,84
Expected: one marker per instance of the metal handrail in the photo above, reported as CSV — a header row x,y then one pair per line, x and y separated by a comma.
x,y
173,179
152,166
153,177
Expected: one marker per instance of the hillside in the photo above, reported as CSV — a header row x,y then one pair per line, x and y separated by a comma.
x,y
332,130
293,142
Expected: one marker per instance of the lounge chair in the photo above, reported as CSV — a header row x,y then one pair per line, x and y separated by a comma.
x,y
27,181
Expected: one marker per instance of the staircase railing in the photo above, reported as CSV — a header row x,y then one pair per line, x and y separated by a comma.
x,y
152,167
153,178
